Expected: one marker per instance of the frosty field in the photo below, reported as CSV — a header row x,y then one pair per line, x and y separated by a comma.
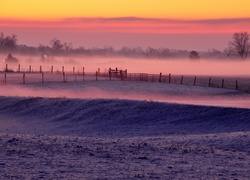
x,y
123,130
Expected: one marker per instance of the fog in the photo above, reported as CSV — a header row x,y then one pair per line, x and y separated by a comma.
x,y
159,92
210,67
151,66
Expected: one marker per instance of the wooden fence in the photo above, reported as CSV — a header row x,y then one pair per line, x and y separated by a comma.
x,y
39,75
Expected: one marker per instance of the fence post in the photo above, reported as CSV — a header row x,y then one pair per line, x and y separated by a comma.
x,y
23,78
236,86
169,78
209,82
18,70
42,78
6,67
30,69
51,69
160,77
181,79
96,74
99,70
62,69
194,80
110,74
126,73
5,78
222,85
73,70
116,71
83,73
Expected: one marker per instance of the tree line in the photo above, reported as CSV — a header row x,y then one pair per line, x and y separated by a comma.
x,y
239,46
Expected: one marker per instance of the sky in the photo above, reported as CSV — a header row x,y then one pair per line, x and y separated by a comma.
x,y
179,24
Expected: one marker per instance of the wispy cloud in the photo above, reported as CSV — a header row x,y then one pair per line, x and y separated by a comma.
x,y
158,20
136,25
130,20
223,21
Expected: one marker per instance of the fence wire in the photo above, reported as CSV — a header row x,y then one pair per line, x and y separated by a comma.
x,y
30,75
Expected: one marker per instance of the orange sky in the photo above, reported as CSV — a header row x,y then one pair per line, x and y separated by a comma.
x,y
178,9
145,17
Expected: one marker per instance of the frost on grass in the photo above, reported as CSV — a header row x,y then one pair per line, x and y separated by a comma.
x,y
193,156
113,138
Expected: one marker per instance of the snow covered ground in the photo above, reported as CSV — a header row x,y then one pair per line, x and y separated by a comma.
x,y
210,156
133,90
123,130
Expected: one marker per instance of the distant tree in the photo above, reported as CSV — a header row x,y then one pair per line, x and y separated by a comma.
x,y
43,49
56,45
240,45
214,53
194,55
151,52
8,42
164,52
67,46
109,50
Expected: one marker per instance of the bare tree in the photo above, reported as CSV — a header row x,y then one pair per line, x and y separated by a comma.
x,y
67,46
240,45
56,45
8,42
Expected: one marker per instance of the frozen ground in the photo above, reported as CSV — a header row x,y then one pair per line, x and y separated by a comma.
x,y
210,156
123,130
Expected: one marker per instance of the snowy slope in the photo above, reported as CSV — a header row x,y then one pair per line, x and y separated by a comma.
x,y
132,90
123,130
116,118
60,138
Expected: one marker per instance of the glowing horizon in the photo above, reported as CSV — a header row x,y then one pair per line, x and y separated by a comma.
x,y
136,25
34,21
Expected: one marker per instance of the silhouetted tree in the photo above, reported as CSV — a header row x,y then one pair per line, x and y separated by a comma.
x,y
8,42
67,46
151,52
194,55
214,53
56,45
43,49
240,45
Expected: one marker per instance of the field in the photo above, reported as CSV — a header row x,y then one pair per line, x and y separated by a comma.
x,y
123,130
